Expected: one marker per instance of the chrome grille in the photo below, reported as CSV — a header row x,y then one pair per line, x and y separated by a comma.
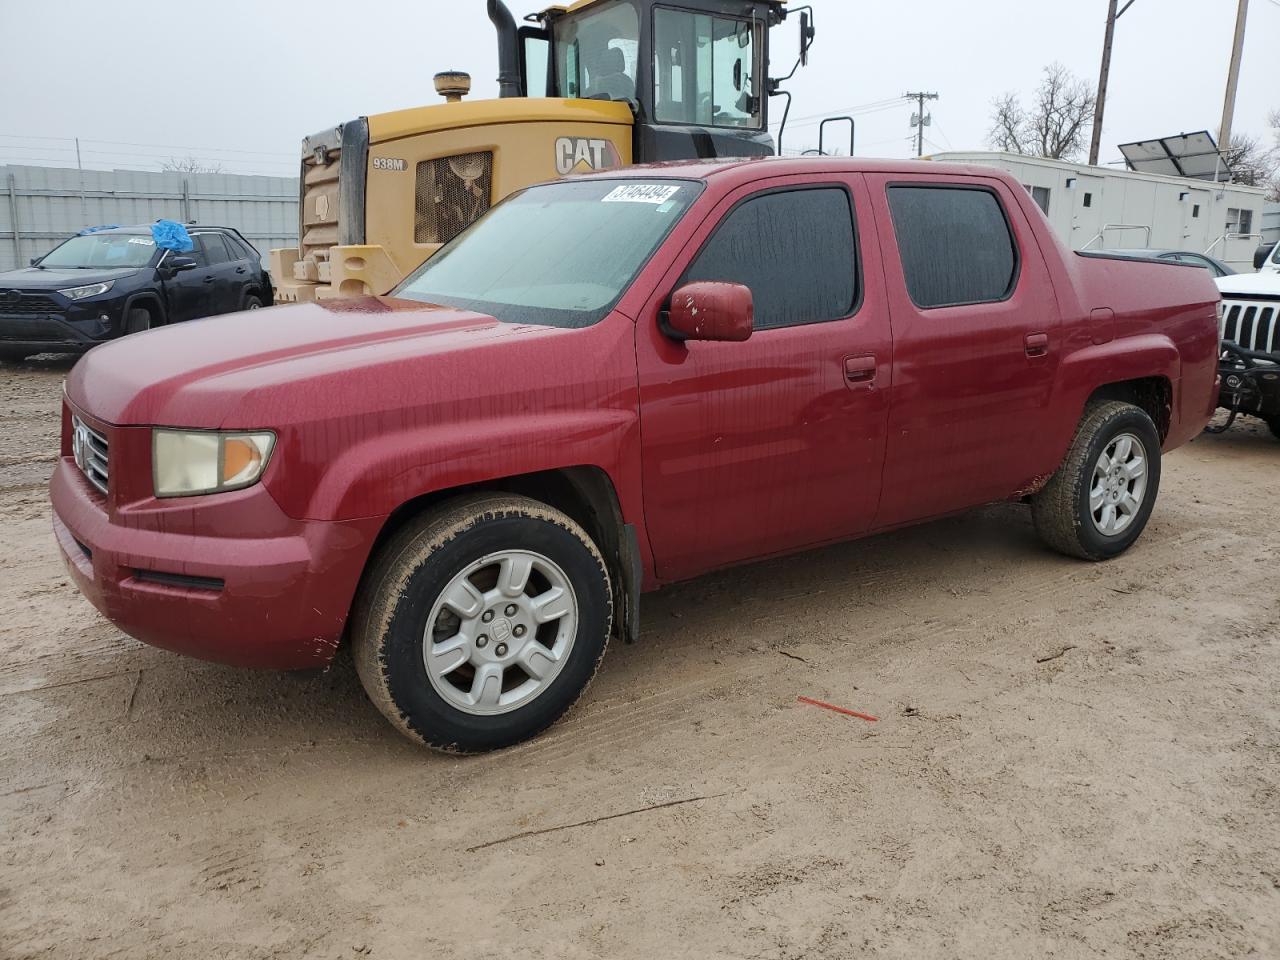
x,y
1252,324
452,193
91,453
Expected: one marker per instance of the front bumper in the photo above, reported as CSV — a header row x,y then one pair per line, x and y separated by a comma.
x,y
227,577
73,332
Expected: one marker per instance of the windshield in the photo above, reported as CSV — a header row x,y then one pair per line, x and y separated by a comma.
x,y
596,53
560,254
102,250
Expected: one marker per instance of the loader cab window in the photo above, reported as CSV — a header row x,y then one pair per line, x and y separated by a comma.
x,y
534,51
705,70
597,52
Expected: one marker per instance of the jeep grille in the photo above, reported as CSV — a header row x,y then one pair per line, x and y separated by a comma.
x,y
1254,325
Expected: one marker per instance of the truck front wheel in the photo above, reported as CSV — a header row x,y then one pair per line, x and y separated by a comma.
x,y
481,623
1100,499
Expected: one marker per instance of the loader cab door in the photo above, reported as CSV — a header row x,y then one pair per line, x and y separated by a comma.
x,y
706,94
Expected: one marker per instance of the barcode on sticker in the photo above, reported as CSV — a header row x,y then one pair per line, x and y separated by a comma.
x,y
654,193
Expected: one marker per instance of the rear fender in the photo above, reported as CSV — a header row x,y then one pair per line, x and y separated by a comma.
x,y
1094,366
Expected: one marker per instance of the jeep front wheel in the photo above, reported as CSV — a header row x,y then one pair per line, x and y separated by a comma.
x,y
1098,502
481,623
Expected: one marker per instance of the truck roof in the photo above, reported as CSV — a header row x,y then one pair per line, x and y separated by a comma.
x,y
753,168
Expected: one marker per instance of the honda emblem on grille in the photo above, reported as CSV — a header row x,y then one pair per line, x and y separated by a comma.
x,y
80,446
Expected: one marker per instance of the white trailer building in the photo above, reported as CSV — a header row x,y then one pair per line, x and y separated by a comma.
x,y
1093,208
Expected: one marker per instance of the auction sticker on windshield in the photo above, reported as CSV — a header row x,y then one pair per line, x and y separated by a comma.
x,y
655,193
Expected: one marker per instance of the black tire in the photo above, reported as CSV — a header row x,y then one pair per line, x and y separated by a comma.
x,y
408,577
1274,423
14,354
138,321
252,302
1061,510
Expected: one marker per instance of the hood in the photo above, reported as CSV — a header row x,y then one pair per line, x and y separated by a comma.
x,y
1250,285
205,373
59,278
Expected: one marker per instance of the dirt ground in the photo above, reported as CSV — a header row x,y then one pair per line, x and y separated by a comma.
x,y
1072,760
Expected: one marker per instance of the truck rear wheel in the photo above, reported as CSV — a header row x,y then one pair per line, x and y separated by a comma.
x,y
1099,501
481,623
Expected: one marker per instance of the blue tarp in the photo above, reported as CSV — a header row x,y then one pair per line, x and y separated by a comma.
x,y
105,226
171,235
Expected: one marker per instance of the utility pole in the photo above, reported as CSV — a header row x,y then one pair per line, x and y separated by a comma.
x,y
920,120
80,167
1100,102
1233,79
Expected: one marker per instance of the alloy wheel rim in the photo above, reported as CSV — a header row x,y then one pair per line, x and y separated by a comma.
x,y
500,632
1119,485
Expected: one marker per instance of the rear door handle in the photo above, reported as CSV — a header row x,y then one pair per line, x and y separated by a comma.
x,y
239,269
1036,344
860,370
209,279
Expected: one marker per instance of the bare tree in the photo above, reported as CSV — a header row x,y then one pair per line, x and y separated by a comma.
x,y
189,165
1273,122
1008,120
1056,123
1251,162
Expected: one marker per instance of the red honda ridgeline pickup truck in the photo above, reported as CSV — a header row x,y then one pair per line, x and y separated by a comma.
x,y
607,384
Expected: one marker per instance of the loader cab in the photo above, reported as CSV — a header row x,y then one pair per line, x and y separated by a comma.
x,y
695,74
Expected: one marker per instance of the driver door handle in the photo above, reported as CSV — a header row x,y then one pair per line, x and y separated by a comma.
x,y
210,279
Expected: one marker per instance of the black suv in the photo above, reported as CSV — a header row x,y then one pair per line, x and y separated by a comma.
x,y
101,285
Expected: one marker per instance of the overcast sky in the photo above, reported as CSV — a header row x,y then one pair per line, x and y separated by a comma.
x,y
242,81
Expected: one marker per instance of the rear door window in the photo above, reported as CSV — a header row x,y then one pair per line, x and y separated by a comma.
x,y
955,244
215,249
795,250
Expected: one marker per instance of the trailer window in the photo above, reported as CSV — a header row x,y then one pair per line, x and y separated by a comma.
x,y
596,53
955,245
1239,221
705,70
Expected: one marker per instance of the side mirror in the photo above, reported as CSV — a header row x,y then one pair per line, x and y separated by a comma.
x,y
710,311
807,33
35,261
179,264
1260,255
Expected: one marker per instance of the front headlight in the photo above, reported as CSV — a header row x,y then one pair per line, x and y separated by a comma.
x,y
186,463
88,290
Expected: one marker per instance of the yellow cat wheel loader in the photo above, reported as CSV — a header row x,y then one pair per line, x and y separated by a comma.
x,y
589,86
